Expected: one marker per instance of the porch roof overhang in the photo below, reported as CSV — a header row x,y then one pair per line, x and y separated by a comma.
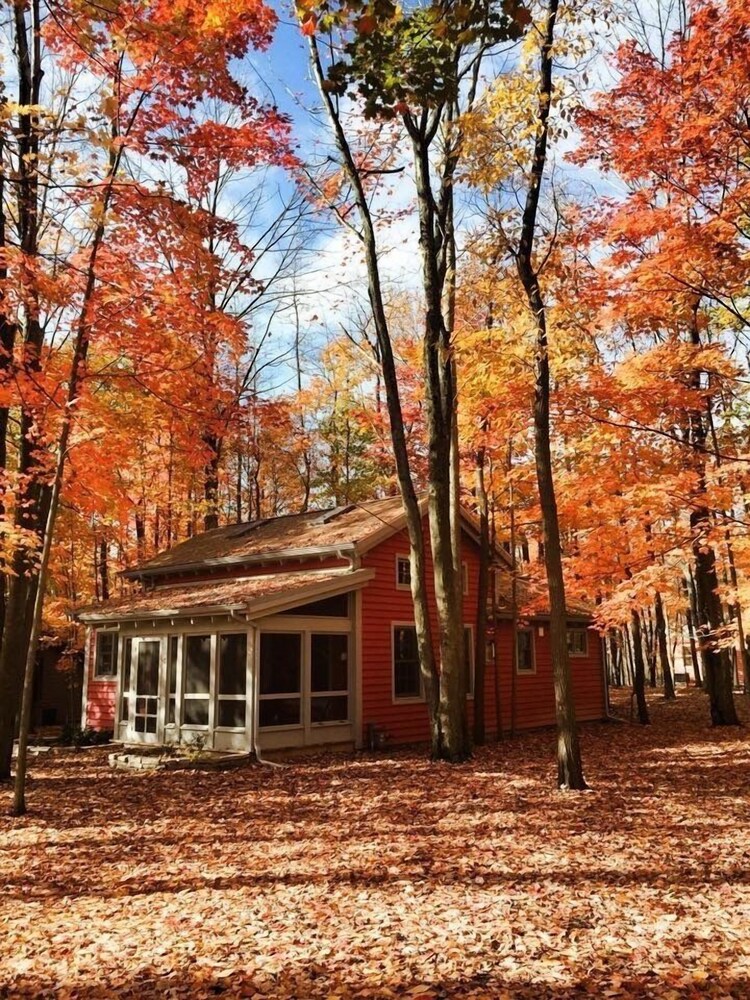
x,y
254,596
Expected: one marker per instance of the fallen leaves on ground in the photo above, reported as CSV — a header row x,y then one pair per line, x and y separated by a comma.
x,y
390,876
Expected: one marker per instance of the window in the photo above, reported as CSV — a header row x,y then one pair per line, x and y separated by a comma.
x,y
197,680
329,677
147,686
403,573
105,660
172,651
578,642
125,699
407,681
327,607
469,659
280,698
464,578
525,647
232,680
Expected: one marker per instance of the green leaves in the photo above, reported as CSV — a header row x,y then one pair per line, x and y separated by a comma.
x,y
397,58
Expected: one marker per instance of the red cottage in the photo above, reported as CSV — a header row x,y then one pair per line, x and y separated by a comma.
x,y
298,631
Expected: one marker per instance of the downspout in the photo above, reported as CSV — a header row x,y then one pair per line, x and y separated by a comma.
x,y
255,691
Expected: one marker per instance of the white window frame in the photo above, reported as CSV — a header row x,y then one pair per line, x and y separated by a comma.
x,y
95,675
400,557
331,694
285,694
403,699
194,727
231,697
519,671
585,632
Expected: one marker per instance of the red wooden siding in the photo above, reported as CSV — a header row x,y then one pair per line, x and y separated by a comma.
x,y
383,605
101,694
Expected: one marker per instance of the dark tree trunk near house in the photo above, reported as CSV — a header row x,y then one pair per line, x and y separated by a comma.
x,y
660,627
412,510
569,765
639,668
480,638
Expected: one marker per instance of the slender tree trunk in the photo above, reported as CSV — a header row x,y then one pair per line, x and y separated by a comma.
x,y
660,627
639,668
412,510
480,639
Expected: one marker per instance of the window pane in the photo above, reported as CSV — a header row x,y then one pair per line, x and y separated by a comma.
x,y
195,711
197,664
232,713
406,680
171,710
279,712
330,662
525,650
232,663
403,571
577,641
334,708
280,659
106,654
127,658
124,709
172,664
328,607
147,678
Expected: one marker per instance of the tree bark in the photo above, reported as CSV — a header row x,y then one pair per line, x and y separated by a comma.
x,y
660,627
639,668
569,764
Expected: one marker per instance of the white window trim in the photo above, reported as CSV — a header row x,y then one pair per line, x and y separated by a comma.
x,y
331,694
402,699
579,628
95,675
400,556
231,697
195,727
295,726
519,671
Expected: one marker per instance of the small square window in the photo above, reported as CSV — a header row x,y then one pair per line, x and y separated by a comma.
x,y
403,572
578,642
105,663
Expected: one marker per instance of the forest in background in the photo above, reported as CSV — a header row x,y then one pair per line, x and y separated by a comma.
x,y
161,330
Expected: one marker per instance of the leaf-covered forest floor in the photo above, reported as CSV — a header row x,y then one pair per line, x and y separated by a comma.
x,y
386,876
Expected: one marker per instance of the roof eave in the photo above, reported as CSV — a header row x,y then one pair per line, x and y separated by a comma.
x,y
282,555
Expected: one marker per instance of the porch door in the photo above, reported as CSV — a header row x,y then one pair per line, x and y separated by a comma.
x,y
146,709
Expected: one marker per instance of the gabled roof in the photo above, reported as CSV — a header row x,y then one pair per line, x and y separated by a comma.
x,y
253,596
350,530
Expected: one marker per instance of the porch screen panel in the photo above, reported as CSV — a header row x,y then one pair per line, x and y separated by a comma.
x,y
329,677
147,686
125,699
197,680
232,679
174,646
280,698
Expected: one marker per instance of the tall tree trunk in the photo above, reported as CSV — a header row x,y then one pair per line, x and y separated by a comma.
x,y
639,668
480,639
213,446
412,510
660,627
